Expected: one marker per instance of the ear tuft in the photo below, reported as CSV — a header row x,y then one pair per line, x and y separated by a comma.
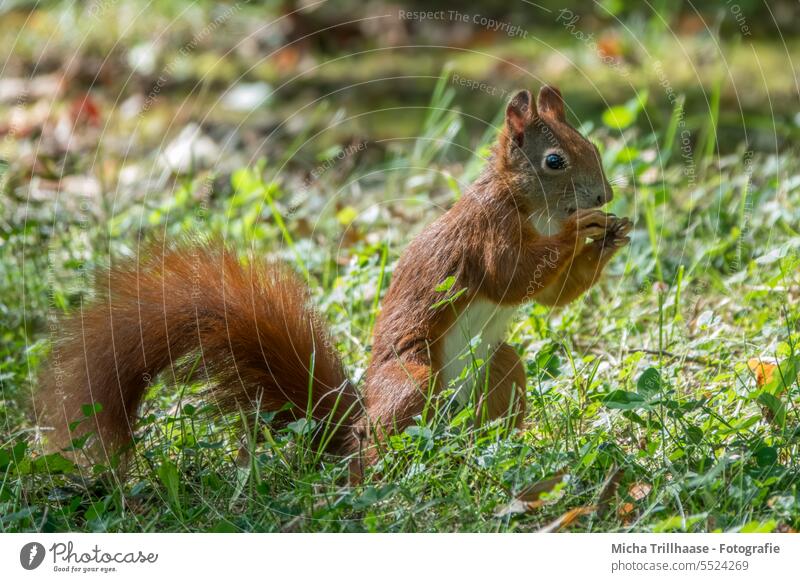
x,y
551,103
519,113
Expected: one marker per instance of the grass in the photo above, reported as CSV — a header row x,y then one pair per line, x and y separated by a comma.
x,y
644,414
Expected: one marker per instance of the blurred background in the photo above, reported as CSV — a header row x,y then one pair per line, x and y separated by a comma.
x,y
255,75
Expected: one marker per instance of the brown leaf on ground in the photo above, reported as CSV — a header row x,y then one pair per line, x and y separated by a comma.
x,y
625,512
286,59
529,498
609,489
762,369
535,491
518,506
85,110
639,490
610,46
568,518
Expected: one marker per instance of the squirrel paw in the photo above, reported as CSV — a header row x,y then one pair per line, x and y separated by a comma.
x,y
588,223
616,235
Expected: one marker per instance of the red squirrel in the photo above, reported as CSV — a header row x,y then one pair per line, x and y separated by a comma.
x,y
527,229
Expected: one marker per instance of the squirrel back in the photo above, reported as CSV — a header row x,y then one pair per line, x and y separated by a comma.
x,y
191,311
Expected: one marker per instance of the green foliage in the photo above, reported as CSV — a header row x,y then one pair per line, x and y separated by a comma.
x,y
645,379
690,424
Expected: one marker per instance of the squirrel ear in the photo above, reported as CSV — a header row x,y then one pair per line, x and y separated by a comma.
x,y
551,102
519,113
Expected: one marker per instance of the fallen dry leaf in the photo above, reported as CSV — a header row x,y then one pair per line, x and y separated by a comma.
x,y
529,498
609,46
518,506
639,491
609,489
85,110
568,518
625,511
762,369
286,59
535,491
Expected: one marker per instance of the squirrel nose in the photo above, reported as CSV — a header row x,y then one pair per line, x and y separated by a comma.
x,y
607,194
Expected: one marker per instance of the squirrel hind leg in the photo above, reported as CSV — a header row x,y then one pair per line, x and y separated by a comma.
x,y
505,393
396,392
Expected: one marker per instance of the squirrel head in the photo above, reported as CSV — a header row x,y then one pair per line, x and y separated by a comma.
x,y
545,160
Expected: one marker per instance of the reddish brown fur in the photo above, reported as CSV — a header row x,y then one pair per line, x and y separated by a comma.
x,y
250,326
256,334
486,242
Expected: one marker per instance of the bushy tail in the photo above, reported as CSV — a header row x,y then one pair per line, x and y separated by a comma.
x,y
246,330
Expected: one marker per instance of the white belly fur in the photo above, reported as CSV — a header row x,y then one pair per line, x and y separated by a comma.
x,y
544,223
480,317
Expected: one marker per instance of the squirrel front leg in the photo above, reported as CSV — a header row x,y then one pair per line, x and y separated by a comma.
x,y
527,268
585,267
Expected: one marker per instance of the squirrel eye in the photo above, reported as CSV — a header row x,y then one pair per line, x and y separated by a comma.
x,y
555,161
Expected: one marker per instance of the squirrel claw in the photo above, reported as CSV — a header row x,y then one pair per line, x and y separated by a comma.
x,y
616,235
620,227
621,242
